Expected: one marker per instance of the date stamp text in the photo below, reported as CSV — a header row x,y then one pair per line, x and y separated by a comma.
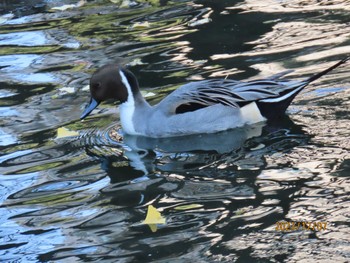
x,y
294,226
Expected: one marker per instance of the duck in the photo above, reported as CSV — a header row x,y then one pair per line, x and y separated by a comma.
x,y
206,106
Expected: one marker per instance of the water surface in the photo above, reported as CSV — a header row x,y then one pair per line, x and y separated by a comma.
x,y
84,197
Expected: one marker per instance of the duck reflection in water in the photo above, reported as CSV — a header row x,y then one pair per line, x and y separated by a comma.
x,y
187,152
136,165
144,156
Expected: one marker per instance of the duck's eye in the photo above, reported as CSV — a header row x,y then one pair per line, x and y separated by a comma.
x,y
96,86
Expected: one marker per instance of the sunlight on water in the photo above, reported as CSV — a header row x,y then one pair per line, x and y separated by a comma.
x,y
83,194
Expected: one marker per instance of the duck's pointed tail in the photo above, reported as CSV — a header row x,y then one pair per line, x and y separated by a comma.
x,y
318,75
273,108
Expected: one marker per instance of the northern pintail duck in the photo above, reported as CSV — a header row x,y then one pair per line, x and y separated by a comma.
x,y
206,106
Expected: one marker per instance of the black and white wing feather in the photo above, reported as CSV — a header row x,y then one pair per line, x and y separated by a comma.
x,y
272,95
198,95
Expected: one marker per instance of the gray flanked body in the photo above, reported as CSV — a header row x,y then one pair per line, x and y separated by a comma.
x,y
198,107
164,121
212,106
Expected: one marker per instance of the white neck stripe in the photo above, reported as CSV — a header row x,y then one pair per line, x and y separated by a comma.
x,y
127,108
127,85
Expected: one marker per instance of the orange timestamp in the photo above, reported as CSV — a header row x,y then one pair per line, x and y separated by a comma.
x,y
294,226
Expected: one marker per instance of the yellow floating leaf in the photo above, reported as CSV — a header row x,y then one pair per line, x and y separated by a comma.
x,y
153,227
153,218
188,207
64,132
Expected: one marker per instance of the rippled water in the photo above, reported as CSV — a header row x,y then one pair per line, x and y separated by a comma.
x,y
84,197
